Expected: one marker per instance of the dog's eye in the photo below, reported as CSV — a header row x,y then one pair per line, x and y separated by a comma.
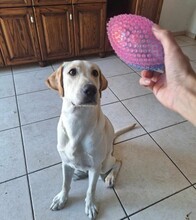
x,y
72,72
95,73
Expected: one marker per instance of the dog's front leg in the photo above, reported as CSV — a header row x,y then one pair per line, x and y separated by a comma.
x,y
90,208
61,198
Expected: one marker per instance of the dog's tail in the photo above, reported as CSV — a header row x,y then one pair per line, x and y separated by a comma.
x,y
124,130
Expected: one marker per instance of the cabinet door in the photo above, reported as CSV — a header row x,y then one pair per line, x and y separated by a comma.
x,y
55,31
90,21
51,2
13,3
150,9
18,37
1,59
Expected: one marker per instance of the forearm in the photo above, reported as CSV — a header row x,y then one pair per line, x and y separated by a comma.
x,y
186,101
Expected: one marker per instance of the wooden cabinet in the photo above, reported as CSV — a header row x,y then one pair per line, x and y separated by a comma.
x,y
89,23
149,8
51,30
14,3
18,37
42,30
55,31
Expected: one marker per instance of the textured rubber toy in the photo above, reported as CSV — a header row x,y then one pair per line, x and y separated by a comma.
x,y
133,41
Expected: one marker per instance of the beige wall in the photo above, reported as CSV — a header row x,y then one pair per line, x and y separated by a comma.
x,y
179,15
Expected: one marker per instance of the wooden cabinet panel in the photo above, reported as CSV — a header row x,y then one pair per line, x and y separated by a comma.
x,y
55,31
87,1
51,2
18,37
89,21
149,8
14,3
1,60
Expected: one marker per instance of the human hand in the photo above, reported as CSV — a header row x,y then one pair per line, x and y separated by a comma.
x,y
168,87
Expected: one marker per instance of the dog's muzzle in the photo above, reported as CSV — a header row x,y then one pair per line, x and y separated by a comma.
x,y
89,93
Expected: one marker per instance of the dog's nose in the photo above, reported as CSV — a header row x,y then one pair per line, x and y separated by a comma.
x,y
89,90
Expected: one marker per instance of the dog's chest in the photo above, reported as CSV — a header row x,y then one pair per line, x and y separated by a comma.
x,y
83,155
84,147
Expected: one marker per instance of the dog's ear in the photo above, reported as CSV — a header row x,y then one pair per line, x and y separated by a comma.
x,y
55,81
103,82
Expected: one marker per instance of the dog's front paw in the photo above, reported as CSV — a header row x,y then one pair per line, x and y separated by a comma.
x,y
59,201
91,210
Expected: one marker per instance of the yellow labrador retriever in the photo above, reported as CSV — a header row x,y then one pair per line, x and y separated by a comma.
x,y
85,135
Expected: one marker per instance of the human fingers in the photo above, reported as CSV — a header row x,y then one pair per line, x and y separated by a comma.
x,y
150,75
166,38
177,64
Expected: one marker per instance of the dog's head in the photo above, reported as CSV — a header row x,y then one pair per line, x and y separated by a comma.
x,y
79,82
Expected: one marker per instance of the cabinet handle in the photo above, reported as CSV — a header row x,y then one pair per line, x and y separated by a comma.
x,y
31,19
70,16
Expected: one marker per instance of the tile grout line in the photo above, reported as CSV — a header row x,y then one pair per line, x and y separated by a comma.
x,y
42,120
120,202
22,140
159,201
121,101
32,172
170,159
7,129
14,178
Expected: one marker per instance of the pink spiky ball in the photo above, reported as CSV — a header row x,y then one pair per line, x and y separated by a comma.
x,y
132,39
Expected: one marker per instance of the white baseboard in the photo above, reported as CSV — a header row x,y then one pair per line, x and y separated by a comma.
x,y
179,33
184,33
191,35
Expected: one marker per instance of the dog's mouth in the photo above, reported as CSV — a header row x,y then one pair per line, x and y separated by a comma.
x,y
84,104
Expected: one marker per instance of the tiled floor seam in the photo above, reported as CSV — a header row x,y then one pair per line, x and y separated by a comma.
x,y
159,201
25,160
44,168
128,139
34,122
122,74
9,180
41,90
171,160
120,202
169,126
127,108
5,97
7,129
29,173
147,133
28,71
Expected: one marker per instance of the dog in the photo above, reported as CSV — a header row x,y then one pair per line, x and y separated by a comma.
x,y
85,135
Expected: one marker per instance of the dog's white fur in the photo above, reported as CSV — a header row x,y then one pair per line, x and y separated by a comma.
x,y
85,135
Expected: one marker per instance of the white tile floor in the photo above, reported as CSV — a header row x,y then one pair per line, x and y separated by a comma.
x,y
157,180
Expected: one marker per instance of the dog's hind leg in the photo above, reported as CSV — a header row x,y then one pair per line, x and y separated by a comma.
x,y
111,176
61,198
